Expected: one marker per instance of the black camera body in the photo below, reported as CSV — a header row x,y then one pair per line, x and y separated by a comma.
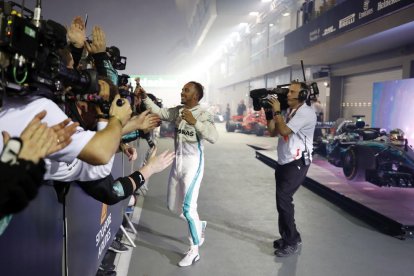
x,y
18,35
261,96
29,55
117,61
123,80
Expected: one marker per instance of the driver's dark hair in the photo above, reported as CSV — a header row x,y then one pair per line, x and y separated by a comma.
x,y
199,88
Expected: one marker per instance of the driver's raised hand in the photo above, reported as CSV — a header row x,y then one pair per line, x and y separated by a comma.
x,y
139,91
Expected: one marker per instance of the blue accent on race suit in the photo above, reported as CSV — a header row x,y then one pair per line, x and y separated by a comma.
x,y
187,199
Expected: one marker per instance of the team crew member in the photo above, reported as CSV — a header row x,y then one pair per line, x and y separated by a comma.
x,y
193,125
294,152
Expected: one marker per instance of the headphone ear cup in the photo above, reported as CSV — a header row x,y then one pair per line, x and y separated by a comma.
x,y
303,95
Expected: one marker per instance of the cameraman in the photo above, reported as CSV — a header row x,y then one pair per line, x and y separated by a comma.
x,y
294,152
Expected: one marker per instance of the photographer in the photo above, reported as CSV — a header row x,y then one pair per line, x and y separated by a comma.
x,y
88,114
294,152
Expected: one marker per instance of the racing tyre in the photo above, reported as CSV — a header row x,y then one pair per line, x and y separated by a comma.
x,y
230,127
350,166
259,130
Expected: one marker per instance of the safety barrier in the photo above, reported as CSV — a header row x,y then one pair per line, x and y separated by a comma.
x,y
37,242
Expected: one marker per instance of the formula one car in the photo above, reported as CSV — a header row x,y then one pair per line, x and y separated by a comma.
x,y
383,162
253,122
369,154
348,133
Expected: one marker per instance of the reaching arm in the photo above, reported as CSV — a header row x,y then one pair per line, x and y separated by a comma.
x,y
110,192
206,129
105,143
143,121
167,114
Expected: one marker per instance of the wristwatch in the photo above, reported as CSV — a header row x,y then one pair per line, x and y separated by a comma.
x,y
11,151
276,113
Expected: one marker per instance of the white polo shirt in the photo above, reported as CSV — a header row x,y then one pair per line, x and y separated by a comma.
x,y
77,170
302,124
17,112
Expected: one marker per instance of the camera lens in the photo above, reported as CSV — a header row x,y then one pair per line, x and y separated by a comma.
x,y
119,102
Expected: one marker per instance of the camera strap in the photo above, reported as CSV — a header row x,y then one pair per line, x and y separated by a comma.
x,y
74,114
290,116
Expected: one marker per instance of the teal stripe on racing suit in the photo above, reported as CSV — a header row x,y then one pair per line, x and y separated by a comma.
x,y
188,197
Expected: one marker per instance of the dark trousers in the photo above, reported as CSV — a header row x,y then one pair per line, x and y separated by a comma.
x,y
289,177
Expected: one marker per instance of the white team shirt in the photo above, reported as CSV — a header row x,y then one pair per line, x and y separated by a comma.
x,y
78,170
17,112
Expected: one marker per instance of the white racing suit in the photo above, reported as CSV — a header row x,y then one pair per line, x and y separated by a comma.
x,y
188,167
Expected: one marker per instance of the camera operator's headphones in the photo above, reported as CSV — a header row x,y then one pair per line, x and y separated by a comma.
x,y
303,92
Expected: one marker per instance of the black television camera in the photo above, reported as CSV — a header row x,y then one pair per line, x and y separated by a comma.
x,y
29,54
261,96
123,80
117,61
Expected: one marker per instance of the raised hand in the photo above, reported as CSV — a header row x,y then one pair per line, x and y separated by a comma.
x,y
62,132
139,91
98,44
130,152
160,162
188,116
145,121
77,32
123,112
274,102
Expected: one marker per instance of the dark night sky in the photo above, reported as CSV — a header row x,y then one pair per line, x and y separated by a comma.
x,y
150,33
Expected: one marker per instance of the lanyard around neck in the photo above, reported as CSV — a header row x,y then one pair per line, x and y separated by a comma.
x,y
290,116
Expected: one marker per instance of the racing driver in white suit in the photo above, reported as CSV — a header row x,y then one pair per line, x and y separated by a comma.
x,y
193,125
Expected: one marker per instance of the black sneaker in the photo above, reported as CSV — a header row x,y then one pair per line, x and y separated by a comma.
x,y
118,247
287,251
105,273
278,244
107,267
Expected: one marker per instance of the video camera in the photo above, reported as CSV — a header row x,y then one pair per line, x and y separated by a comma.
x,y
123,80
261,96
29,54
117,61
